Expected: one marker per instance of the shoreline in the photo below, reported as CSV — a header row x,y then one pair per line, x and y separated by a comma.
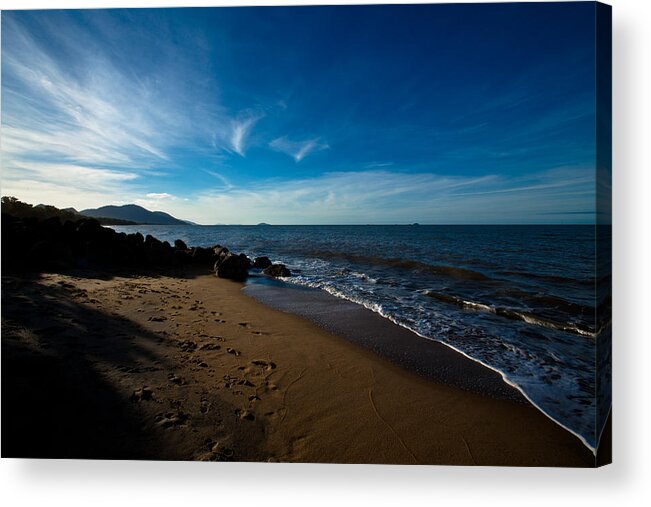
x,y
296,392
429,358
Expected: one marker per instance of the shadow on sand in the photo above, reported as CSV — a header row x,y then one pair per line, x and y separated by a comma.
x,y
56,399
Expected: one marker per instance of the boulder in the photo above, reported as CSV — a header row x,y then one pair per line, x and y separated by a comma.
x,y
49,255
219,251
261,262
89,228
202,255
182,256
277,270
233,267
152,242
180,245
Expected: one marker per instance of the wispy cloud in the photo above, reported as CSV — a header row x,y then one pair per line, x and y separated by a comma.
x,y
241,129
378,165
298,150
225,181
381,196
107,107
101,116
96,118
161,196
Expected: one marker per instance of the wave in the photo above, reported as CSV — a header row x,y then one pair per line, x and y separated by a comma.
x,y
550,301
379,309
512,314
548,278
449,271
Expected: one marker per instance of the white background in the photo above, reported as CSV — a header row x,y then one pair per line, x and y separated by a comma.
x,y
626,482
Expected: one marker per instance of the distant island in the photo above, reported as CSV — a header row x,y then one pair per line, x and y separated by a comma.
x,y
129,214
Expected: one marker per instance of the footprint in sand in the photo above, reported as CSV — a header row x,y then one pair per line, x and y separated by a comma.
x,y
245,415
230,381
231,350
210,346
142,394
267,365
175,379
196,360
187,346
160,318
216,451
171,419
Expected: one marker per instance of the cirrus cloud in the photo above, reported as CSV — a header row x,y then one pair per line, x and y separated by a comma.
x,y
298,150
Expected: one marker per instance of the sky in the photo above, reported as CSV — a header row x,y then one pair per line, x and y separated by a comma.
x,y
466,113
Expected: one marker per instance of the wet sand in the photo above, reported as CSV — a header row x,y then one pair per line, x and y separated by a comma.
x,y
187,366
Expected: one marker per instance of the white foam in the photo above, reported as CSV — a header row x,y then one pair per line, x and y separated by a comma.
x,y
378,308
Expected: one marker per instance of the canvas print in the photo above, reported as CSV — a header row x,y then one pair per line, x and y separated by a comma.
x,y
336,234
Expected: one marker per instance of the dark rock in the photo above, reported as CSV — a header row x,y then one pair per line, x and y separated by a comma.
x,y
202,255
89,229
261,262
277,270
182,256
47,254
35,244
245,261
152,242
233,267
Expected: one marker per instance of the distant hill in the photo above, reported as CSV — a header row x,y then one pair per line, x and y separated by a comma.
x,y
133,213
19,209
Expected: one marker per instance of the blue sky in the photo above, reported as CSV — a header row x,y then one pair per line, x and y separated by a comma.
x,y
392,114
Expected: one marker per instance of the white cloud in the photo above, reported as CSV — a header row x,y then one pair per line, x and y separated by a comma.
x,y
298,150
380,196
162,195
36,191
225,182
372,196
241,129
92,110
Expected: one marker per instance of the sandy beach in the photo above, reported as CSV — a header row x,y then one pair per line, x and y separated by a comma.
x,y
183,365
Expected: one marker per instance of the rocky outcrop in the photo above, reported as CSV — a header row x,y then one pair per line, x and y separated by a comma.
x,y
202,256
50,245
261,262
231,266
277,270
41,245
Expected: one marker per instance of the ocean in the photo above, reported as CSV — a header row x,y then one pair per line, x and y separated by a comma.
x,y
519,299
